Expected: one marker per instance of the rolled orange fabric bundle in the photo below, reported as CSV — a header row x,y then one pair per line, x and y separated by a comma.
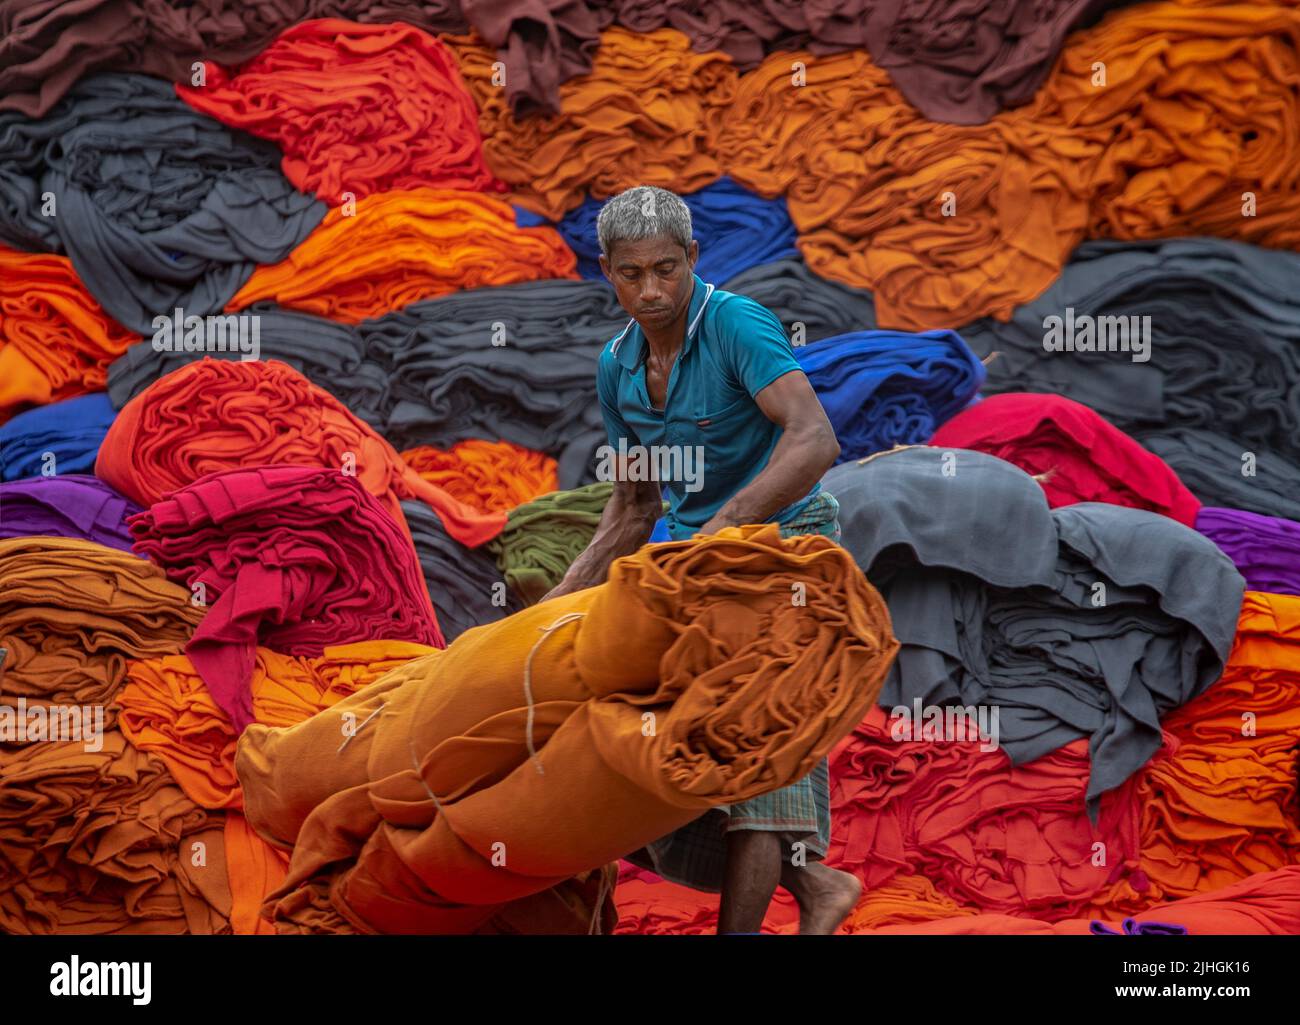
x,y
548,744
73,612
303,93
1221,804
168,711
491,476
647,114
402,246
218,414
56,341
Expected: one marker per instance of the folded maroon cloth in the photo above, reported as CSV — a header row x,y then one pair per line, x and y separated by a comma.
x,y
291,557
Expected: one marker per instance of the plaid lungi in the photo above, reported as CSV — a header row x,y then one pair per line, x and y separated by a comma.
x,y
695,855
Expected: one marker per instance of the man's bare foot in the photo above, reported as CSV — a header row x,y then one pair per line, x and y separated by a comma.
x,y
825,896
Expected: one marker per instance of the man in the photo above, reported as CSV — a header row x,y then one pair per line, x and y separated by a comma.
x,y
700,370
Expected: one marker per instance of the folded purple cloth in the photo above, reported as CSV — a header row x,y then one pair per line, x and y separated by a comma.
x,y
1132,927
70,505
1265,549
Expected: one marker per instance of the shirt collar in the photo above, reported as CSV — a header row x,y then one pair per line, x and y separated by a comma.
x,y
629,346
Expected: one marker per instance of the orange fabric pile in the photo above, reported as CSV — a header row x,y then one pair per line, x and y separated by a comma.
x,y
1267,904
167,711
356,109
403,246
1223,803
490,476
55,340
550,743
95,836
647,114
218,414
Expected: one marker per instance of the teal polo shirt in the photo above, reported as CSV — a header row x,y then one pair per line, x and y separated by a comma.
x,y
734,348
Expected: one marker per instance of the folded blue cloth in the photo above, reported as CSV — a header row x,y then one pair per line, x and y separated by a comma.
x,y
71,430
886,388
736,230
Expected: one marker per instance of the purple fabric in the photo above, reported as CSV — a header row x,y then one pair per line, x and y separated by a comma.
x,y
1266,549
1132,927
71,505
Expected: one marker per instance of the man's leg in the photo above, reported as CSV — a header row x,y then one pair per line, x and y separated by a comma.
x,y
752,871
825,896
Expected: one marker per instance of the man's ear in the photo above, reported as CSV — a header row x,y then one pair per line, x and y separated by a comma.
x,y
604,266
693,253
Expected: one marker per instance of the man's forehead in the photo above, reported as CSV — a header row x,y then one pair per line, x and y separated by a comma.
x,y
645,252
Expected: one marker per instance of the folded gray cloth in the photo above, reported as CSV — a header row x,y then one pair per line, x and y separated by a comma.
x,y
1134,616
464,583
798,296
156,205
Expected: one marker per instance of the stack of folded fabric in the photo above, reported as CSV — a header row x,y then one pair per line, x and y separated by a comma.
x,y
542,538
517,790
1046,615
810,308
491,476
295,557
464,584
736,230
1076,455
215,415
399,247
158,207
302,93
63,437
55,340
1265,549
72,505
886,388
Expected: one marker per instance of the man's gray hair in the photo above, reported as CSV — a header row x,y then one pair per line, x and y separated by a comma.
x,y
643,211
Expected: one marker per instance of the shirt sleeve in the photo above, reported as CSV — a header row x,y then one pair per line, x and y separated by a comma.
x,y
755,345
607,389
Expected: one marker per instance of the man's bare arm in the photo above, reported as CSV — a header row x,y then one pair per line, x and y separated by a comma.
x,y
625,525
807,449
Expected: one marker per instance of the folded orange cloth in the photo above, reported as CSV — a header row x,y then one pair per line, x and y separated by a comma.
x,y
402,246
56,342
1222,804
1265,904
168,711
254,868
491,476
304,92
546,745
217,414
647,114
73,612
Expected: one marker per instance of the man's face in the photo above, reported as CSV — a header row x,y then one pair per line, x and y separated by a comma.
x,y
652,278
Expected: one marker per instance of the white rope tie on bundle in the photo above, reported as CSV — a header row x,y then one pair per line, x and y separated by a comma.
x,y
568,617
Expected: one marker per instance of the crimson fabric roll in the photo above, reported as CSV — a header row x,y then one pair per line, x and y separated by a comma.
x,y
886,388
1265,549
303,93
63,437
811,308
216,415
1225,471
157,206
1133,615
515,363
1178,333
1076,454
464,584
736,230
292,557
46,45
70,505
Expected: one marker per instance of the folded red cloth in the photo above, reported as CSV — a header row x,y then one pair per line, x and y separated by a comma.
x,y
1077,455
292,557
